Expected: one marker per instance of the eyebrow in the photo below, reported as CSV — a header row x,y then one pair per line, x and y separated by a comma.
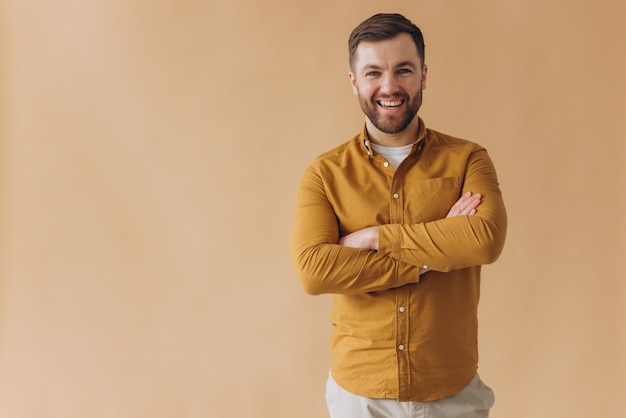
x,y
399,65
406,64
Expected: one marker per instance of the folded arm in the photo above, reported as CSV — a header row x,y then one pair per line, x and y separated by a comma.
x,y
352,264
325,266
454,242
392,255
367,238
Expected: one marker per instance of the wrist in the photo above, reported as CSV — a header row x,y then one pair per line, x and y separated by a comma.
x,y
374,238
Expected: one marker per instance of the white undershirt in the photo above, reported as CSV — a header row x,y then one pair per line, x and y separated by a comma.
x,y
395,155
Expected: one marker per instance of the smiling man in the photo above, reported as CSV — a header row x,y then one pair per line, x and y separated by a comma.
x,y
389,92
396,224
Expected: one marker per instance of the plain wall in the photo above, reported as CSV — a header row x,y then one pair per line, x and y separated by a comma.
x,y
149,156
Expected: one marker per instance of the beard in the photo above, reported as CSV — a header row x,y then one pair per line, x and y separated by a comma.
x,y
391,124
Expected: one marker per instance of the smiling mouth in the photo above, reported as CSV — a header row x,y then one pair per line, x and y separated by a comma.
x,y
390,103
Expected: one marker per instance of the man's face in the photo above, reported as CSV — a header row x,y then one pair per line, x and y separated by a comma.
x,y
388,78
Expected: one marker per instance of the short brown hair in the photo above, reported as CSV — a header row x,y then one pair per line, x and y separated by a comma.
x,y
384,26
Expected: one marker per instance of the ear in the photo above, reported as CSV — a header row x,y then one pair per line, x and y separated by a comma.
x,y
355,89
424,73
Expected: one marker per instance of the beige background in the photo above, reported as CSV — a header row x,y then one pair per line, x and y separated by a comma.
x,y
150,152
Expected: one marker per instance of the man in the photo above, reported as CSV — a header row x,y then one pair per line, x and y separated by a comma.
x,y
395,224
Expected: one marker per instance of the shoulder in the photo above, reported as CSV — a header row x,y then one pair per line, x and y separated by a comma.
x,y
339,155
444,140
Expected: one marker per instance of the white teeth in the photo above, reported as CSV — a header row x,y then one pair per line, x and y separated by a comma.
x,y
390,104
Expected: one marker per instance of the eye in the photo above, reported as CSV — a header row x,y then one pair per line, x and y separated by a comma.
x,y
404,71
372,73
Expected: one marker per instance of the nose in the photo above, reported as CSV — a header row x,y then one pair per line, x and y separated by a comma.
x,y
388,84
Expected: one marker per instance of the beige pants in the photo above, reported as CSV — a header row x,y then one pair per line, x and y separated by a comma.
x,y
474,401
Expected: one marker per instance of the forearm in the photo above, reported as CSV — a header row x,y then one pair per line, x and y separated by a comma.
x,y
331,268
445,244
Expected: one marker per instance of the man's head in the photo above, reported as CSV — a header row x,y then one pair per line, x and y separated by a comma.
x,y
388,75
384,26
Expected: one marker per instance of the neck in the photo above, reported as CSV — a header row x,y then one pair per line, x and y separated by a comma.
x,y
405,137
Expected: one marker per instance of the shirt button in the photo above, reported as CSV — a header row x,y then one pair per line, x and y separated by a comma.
x,y
401,347
401,309
386,164
425,267
396,195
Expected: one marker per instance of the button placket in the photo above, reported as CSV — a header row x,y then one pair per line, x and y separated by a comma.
x,y
402,334
395,195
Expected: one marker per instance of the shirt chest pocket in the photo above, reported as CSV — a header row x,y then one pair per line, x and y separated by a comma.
x,y
431,199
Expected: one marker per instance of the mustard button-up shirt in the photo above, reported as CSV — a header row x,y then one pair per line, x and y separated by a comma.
x,y
398,334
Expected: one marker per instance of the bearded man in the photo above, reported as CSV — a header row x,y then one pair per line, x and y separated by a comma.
x,y
395,224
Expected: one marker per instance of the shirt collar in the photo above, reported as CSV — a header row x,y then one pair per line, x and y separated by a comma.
x,y
417,145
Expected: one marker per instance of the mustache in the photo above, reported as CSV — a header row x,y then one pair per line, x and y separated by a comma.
x,y
392,96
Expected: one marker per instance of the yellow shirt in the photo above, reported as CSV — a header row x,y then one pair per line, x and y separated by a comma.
x,y
396,334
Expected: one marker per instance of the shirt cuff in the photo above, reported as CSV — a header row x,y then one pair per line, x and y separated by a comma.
x,y
389,240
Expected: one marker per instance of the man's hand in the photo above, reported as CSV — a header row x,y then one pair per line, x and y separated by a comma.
x,y
367,238
466,205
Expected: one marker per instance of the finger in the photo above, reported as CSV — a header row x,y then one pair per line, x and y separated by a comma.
x,y
459,204
465,205
470,205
